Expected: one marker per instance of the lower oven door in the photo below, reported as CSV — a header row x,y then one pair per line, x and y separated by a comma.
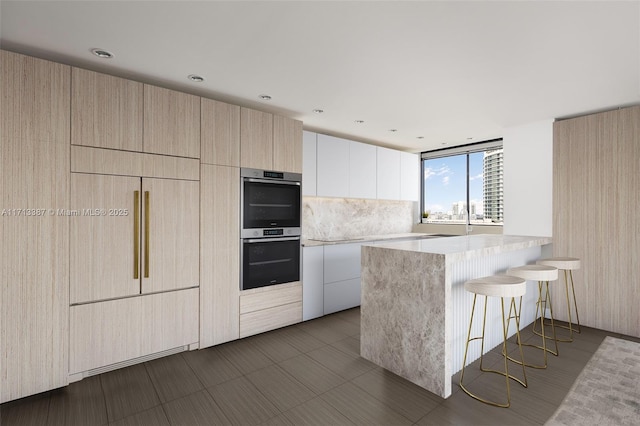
x,y
269,261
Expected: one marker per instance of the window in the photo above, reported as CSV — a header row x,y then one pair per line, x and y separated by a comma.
x,y
470,175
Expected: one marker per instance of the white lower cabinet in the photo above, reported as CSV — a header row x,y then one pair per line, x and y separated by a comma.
x,y
341,295
115,331
341,277
312,282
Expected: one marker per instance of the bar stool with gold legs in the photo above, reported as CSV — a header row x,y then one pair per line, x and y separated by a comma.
x,y
502,286
543,274
566,264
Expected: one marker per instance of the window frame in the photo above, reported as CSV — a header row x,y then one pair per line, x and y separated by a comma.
x,y
488,145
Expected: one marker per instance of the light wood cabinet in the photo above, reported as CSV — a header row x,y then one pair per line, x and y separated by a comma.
x,y
171,122
268,308
333,167
220,139
287,144
126,330
219,254
34,159
103,246
106,111
170,235
256,139
132,235
269,142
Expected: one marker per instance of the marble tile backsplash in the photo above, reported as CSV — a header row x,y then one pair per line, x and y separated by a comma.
x,y
345,218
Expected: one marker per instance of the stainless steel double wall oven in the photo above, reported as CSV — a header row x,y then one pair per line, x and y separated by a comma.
x,y
270,206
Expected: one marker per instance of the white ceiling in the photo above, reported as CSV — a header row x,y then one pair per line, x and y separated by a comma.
x,y
452,72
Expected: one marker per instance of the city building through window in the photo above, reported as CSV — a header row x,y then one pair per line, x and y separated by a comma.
x,y
464,185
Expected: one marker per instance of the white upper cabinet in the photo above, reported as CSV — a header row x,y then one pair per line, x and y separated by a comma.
x,y
388,174
362,170
333,167
309,167
409,176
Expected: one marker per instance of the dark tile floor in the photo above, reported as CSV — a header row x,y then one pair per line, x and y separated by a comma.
x,y
306,374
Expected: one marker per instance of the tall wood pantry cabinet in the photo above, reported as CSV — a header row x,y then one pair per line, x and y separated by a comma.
x,y
34,160
134,236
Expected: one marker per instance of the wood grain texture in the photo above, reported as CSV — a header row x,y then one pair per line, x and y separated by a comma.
x,y
270,319
256,139
220,137
276,296
174,230
126,163
102,257
34,159
219,254
596,160
106,111
171,122
117,330
287,144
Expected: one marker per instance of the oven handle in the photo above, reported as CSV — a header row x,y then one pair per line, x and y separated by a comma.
x,y
269,240
279,182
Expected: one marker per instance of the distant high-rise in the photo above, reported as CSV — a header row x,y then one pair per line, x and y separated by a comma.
x,y
493,185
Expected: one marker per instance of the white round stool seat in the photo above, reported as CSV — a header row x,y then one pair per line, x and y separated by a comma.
x,y
535,272
497,286
567,263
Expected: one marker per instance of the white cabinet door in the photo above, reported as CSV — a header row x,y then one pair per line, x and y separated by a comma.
x,y
362,170
409,176
341,262
333,167
388,174
309,163
341,295
312,282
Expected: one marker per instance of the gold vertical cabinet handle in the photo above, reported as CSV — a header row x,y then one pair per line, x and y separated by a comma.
x,y
136,234
146,234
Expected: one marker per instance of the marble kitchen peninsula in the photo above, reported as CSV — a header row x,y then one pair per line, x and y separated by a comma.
x,y
415,311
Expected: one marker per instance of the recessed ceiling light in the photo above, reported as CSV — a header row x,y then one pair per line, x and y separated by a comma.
x,y
469,139
419,137
358,121
318,111
196,78
265,97
101,53
393,130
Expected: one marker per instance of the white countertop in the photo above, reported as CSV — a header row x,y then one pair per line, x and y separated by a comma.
x,y
467,246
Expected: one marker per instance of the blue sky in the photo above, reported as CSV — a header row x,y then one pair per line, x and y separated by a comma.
x,y
445,182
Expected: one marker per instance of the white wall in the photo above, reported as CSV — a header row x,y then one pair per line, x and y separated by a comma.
x,y
528,179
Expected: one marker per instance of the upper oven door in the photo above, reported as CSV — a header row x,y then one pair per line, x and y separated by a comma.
x,y
270,204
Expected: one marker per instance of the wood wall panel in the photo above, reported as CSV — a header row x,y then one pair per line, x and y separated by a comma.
x,y
34,288
596,195
219,254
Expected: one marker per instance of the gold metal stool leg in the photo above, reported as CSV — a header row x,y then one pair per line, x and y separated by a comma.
x,y
541,306
505,373
570,325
